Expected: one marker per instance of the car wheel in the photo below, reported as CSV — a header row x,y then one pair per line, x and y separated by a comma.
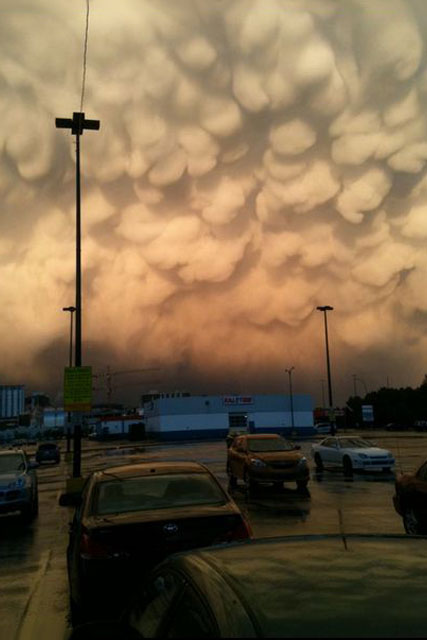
x,y
231,478
411,523
36,506
318,462
348,466
28,514
302,485
76,614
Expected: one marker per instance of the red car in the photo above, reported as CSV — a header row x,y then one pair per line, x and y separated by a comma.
x,y
132,517
410,500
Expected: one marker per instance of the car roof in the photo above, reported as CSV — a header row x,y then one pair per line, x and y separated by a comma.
x,y
152,467
261,436
324,585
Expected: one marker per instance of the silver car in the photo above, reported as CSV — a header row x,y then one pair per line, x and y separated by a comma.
x,y
18,484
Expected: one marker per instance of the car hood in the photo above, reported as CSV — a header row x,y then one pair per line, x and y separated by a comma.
x,y
10,476
335,586
373,451
276,456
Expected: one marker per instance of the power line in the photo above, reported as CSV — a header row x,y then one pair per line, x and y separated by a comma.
x,y
85,56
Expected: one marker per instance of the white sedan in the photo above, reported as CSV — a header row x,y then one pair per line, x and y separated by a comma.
x,y
351,453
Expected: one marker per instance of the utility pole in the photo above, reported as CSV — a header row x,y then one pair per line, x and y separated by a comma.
x,y
289,372
77,124
70,357
325,309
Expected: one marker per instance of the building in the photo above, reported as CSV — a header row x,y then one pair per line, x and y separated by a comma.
x,y
12,400
206,417
117,427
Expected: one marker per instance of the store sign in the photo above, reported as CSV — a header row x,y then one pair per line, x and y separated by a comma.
x,y
235,400
367,413
77,388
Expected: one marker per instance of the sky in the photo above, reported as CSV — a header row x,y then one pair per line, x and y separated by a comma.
x,y
256,159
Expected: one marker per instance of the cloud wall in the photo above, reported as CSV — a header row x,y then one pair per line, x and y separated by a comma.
x,y
255,159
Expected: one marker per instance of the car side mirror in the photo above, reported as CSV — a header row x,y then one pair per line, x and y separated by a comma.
x,y
110,630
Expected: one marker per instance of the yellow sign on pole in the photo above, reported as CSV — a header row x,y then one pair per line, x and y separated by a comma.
x,y
77,388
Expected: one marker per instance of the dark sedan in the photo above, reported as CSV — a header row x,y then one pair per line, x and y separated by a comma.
x,y
48,452
132,517
410,500
324,586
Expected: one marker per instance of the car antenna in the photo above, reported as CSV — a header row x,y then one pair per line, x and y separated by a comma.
x,y
341,526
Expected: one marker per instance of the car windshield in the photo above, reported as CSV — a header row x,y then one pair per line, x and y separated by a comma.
x,y
11,462
156,492
357,443
269,444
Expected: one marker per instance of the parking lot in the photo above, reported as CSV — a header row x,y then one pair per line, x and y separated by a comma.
x,y
33,581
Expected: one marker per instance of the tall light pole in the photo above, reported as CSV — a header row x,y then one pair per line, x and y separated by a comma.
x,y
77,124
71,310
289,372
325,310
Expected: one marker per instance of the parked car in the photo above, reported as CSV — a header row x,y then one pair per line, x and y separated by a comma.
x,y
266,458
420,425
18,484
320,586
323,427
351,453
48,452
131,517
410,500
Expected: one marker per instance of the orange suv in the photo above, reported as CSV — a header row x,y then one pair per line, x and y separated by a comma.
x,y
266,458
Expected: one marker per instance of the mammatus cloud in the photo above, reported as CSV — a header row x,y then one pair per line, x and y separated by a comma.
x,y
255,159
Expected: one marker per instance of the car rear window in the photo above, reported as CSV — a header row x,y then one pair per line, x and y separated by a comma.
x,y
47,447
156,492
269,444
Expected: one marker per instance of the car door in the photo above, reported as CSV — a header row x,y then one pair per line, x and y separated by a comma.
x,y
328,451
417,494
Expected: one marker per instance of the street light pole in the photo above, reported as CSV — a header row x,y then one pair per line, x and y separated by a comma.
x,y
289,372
325,309
71,310
77,124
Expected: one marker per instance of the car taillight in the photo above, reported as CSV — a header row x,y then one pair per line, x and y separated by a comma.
x,y
241,531
91,549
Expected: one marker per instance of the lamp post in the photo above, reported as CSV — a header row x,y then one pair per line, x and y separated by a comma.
x,y
325,310
71,311
289,372
77,124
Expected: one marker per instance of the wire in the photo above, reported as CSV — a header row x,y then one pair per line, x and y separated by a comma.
x,y
85,57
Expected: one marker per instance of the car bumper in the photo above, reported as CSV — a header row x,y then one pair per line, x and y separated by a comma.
x,y
279,475
14,505
368,465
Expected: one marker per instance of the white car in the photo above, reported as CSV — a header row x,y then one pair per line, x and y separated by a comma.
x,y
351,453
323,427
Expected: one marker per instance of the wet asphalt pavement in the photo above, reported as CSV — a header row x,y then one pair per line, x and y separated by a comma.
x,y
33,580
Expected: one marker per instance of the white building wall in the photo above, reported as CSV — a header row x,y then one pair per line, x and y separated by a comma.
x,y
267,419
201,421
